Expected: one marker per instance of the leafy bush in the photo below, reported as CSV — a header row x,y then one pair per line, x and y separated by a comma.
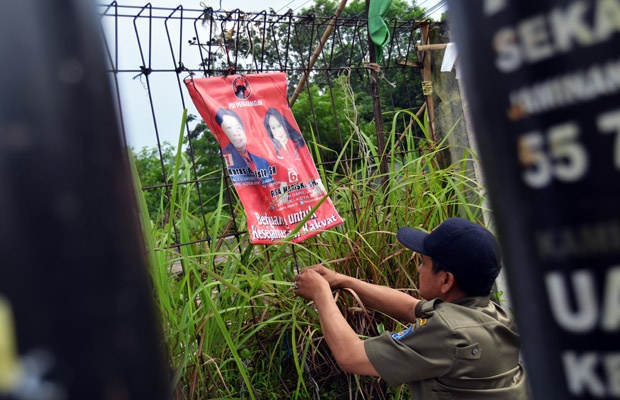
x,y
232,326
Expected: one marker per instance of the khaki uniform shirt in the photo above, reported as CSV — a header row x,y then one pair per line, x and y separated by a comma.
x,y
463,350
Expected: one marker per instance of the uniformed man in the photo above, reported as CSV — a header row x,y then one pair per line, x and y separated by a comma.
x,y
459,344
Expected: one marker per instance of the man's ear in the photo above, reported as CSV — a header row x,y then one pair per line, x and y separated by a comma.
x,y
447,282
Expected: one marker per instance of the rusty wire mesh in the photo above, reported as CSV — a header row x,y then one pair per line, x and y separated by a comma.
x,y
151,50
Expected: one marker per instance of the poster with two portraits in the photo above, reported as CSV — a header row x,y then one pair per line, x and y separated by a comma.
x,y
266,157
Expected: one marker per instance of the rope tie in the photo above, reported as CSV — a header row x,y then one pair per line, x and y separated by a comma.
x,y
145,71
372,66
427,88
377,68
181,68
231,70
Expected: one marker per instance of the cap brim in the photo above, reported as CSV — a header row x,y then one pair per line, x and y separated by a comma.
x,y
412,239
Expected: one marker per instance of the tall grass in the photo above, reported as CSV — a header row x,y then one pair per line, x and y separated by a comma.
x,y
232,326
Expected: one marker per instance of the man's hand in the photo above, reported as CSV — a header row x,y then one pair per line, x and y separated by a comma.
x,y
313,283
310,283
330,276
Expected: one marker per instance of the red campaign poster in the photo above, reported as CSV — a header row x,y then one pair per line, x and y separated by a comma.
x,y
267,158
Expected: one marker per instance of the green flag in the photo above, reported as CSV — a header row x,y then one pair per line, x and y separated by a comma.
x,y
377,28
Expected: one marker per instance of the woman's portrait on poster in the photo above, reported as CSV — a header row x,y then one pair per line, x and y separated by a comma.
x,y
286,140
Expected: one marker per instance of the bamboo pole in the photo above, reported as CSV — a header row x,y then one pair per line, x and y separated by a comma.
x,y
426,77
409,127
425,47
317,52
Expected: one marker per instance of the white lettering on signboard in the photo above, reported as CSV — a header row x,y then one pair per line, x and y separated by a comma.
x,y
558,154
565,159
611,302
584,317
609,123
583,371
591,239
583,377
559,31
587,313
581,374
569,89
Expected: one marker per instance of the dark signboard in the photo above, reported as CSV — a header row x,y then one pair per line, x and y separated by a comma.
x,y
77,319
543,83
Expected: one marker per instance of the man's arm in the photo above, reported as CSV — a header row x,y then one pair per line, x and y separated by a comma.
x,y
345,345
392,302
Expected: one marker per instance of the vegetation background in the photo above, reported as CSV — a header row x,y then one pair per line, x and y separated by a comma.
x,y
231,326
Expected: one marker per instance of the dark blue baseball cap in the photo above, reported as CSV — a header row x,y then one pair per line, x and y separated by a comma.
x,y
467,250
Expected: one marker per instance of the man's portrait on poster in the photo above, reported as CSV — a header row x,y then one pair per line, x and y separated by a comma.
x,y
243,166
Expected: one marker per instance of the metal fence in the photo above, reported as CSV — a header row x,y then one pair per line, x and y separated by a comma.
x,y
151,50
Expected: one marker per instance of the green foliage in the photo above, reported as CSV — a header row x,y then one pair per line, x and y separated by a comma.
x,y
324,113
199,173
269,42
204,151
204,148
348,49
232,325
153,166
399,9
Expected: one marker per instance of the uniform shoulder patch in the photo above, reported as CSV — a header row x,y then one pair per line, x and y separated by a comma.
x,y
409,330
404,333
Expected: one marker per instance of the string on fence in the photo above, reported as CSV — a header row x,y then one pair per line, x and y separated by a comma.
x,y
148,66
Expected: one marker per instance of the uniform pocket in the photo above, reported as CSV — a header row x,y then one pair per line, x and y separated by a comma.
x,y
471,352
